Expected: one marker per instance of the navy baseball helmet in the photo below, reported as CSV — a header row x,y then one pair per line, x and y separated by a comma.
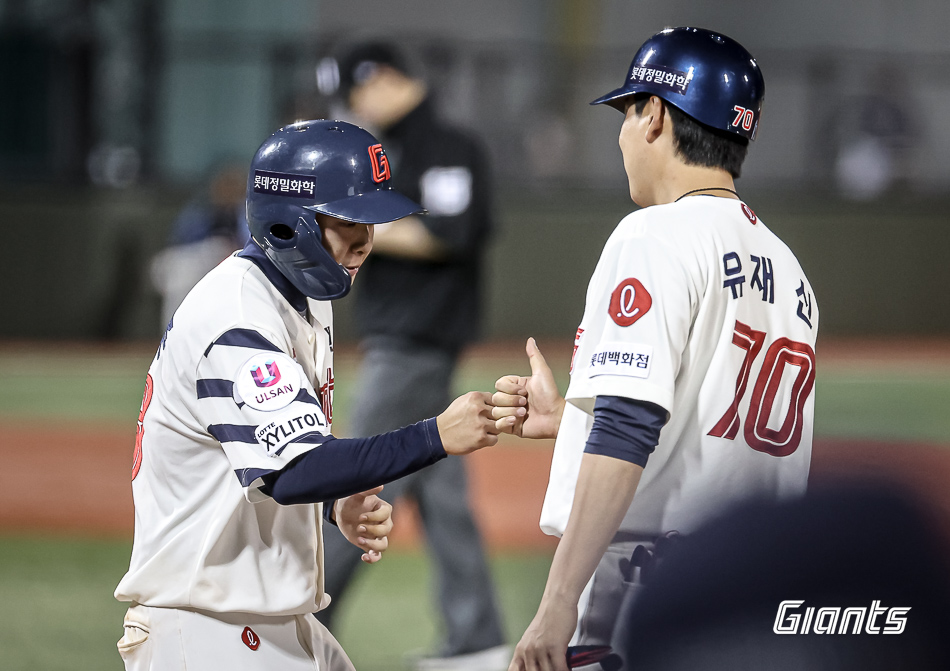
x,y
318,167
709,76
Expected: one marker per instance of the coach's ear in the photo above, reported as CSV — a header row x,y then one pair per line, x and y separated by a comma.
x,y
657,118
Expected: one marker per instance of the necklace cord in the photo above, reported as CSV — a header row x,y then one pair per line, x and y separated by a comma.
x,y
708,188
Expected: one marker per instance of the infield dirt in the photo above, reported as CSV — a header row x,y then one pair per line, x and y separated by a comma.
x,y
74,477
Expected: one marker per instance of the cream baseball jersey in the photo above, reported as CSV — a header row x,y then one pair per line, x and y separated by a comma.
x,y
241,384
699,308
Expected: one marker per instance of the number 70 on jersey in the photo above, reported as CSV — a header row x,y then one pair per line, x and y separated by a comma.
x,y
769,388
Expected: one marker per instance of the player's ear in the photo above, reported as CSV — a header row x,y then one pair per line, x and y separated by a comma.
x,y
657,118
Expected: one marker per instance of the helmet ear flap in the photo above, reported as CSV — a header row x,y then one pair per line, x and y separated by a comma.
x,y
299,254
281,231
276,231
276,224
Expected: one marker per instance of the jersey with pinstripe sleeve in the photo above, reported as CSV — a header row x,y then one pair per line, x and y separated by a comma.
x,y
240,385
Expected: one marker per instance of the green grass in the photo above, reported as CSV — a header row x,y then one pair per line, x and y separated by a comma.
x,y
891,403
391,611
72,386
58,612
884,405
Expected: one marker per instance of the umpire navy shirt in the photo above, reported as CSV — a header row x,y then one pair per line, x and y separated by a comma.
x,y
434,303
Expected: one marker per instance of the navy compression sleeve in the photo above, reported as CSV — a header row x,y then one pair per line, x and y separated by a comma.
x,y
344,466
625,429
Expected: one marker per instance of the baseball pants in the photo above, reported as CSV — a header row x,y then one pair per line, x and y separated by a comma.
x,y
402,384
174,639
602,599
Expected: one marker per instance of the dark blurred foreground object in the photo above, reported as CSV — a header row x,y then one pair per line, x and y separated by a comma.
x,y
714,602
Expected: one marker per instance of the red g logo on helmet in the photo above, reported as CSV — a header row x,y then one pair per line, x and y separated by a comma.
x,y
629,301
380,163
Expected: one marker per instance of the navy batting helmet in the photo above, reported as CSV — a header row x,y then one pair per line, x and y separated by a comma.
x,y
709,76
325,167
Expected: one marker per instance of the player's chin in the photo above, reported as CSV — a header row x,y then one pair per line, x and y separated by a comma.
x,y
633,191
636,197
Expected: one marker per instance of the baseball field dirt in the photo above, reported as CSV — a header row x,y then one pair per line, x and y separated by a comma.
x,y
68,422
76,479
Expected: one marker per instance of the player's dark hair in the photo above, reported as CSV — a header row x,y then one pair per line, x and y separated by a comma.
x,y
698,144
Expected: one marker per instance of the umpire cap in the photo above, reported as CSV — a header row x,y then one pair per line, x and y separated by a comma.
x,y
361,61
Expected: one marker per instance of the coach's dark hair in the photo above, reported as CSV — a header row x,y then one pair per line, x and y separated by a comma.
x,y
698,144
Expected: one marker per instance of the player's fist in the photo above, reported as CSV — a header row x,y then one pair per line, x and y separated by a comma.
x,y
366,521
544,643
531,406
467,424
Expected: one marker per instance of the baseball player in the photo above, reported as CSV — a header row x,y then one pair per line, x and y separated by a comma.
x,y
235,468
698,322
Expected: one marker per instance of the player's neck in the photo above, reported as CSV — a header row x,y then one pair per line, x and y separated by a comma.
x,y
682,179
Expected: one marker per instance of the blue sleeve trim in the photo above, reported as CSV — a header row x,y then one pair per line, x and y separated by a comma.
x,y
248,338
233,433
328,511
305,396
431,428
212,388
625,429
344,466
248,475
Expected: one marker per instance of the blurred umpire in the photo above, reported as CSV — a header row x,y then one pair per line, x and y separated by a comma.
x,y
417,306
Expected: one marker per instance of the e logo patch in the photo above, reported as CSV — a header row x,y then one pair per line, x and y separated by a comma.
x,y
749,214
250,638
629,301
380,163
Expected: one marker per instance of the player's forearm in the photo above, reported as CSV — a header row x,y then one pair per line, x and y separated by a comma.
x,y
605,489
344,466
409,239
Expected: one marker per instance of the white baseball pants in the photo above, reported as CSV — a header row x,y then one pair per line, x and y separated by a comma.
x,y
171,639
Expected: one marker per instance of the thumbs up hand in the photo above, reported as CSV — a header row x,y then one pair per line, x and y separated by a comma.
x,y
534,401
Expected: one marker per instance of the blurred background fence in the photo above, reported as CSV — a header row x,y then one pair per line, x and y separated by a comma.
x,y
114,112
